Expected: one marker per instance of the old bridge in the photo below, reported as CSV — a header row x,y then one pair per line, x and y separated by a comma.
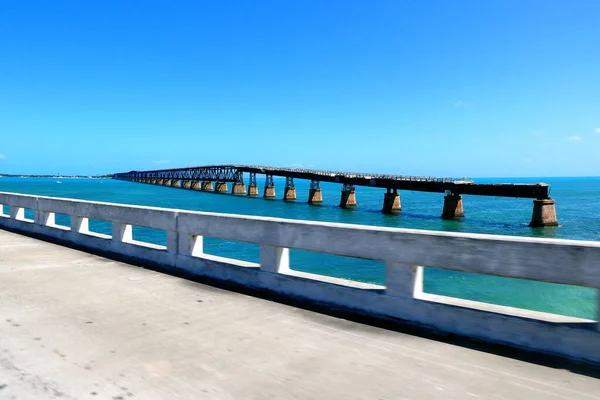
x,y
202,178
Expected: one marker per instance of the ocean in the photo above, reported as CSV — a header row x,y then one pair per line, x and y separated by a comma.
x,y
577,206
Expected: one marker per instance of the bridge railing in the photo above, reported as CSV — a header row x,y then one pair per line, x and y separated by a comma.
x,y
403,251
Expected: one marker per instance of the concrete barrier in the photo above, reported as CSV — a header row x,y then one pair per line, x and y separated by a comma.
x,y
403,251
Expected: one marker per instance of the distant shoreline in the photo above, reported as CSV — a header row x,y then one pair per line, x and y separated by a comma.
x,y
58,176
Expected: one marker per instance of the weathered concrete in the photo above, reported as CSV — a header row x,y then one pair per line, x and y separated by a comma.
x,y
195,185
453,207
269,192
78,326
391,203
238,188
348,199
559,261
206,186
187,184
252,190
315,196
544,213
289,194
221,187
175,183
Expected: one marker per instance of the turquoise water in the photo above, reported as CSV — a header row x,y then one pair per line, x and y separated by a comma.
x,y
577,205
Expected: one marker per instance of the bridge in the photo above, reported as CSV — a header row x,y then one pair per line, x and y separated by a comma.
x,y
80,325
202,178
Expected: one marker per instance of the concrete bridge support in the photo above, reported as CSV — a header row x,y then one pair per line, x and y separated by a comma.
x,y
269,187
544,213
252,185
221,187
187,185
289,193
391,202
453,207
253,190
315,196
238,188
348,199
167,182
195,185
175,183
207,186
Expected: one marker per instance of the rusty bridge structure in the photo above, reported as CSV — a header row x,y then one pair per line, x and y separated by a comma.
x,y
215,178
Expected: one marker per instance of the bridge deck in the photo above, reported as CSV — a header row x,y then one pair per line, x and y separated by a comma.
x,y
75,325
233,173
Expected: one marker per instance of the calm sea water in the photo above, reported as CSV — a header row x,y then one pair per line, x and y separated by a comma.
x,y
577,204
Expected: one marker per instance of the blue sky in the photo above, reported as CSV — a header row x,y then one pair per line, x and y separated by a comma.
x,y
445,88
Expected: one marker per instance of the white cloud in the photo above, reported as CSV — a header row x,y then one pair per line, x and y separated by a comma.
x,y
575,138
162,162
2,156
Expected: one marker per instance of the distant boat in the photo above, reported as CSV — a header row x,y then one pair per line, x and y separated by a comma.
x,y
58,182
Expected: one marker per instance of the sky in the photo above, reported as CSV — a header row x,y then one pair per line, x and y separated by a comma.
x,y
495,88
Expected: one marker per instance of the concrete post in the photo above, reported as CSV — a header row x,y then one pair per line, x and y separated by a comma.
x,y
45,218
207,186
238,188
195,186
2,211
269,192
315,197
289,194
391,202
191,245
122,232
253,190
348,199
274,259
598,309
79,224
453,207
269,187
172,242
175,183
187,185
403,280
221,187
544,213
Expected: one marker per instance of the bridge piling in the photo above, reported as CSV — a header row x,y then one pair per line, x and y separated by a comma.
x,y
187,185
206,186
289,193
453,207
175,183
544,213
221,187
348,199
269,192
252,185
391,202
238,188
315,196
195,185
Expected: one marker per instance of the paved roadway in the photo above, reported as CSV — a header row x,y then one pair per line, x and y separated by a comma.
x,y
79,326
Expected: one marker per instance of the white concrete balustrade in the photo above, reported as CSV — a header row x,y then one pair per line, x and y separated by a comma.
x,y
403,251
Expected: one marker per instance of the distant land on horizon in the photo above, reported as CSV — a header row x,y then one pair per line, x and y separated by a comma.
x,y
109,176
